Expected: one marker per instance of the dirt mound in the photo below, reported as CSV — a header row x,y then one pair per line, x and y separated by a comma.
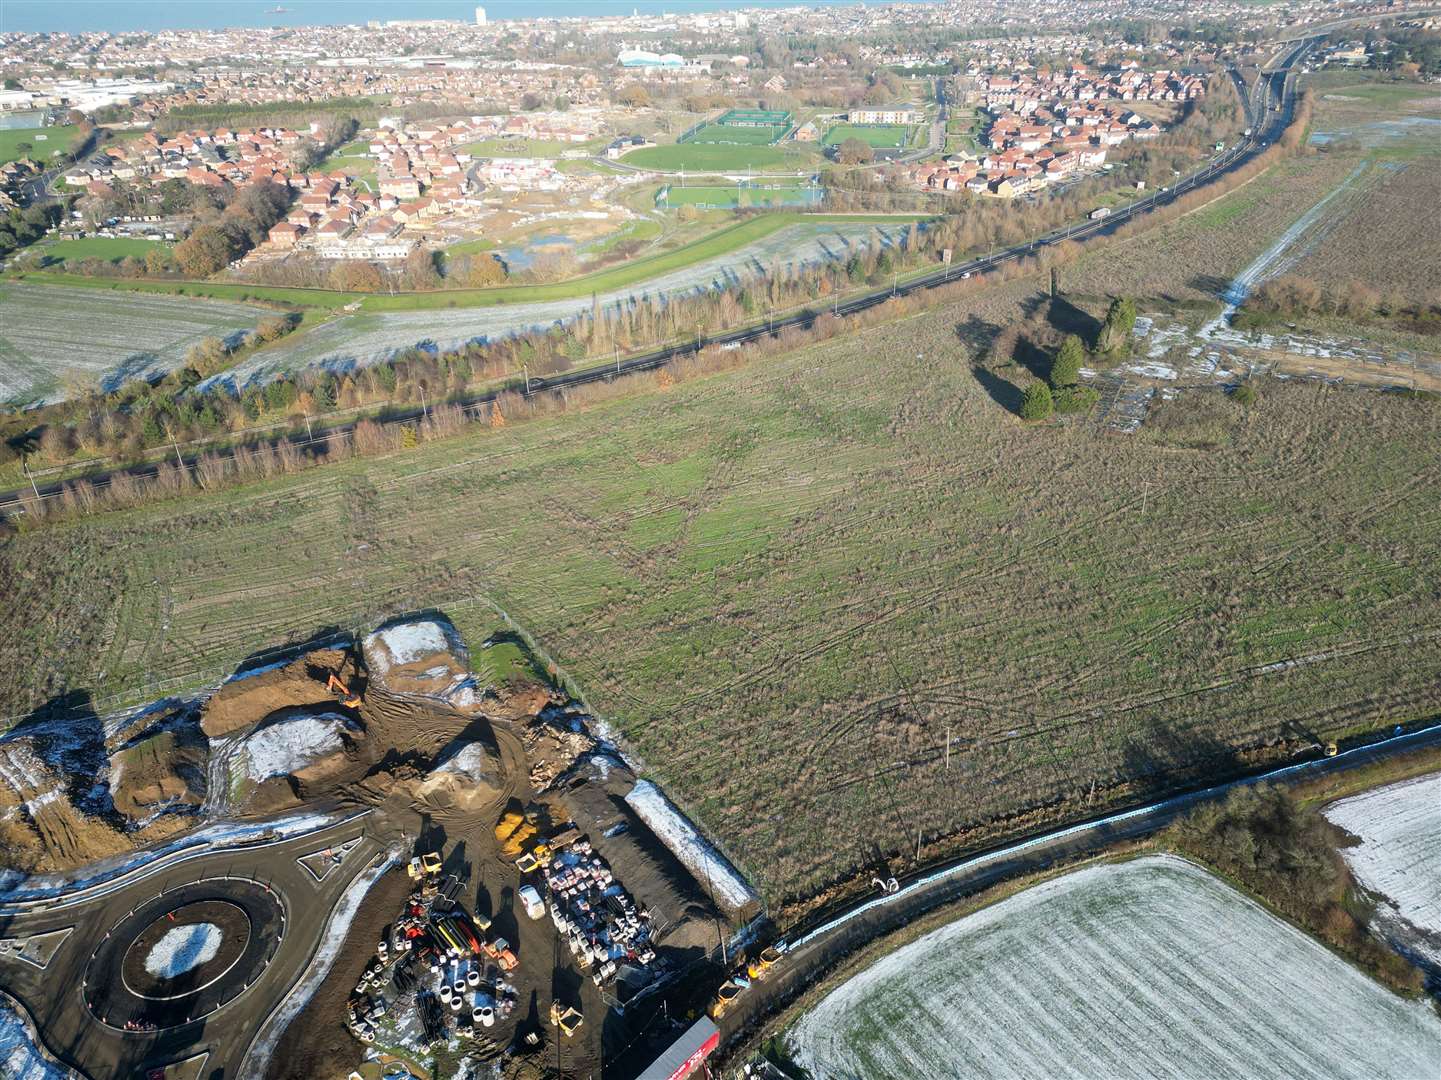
x,y
160,772
252,695
468,778
296,754
54,802
423,658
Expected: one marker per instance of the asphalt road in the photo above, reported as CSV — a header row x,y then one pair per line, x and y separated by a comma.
x,y
829,936
54,995
1277,90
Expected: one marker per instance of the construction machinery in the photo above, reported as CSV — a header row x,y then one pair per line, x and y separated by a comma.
x,y
761,966
512,832
566,1018
424,866
337,687
726,996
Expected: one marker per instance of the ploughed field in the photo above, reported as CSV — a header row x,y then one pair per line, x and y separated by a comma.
x,y
52,334
1147,968
786,586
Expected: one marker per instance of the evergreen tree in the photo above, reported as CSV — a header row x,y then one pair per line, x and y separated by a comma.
x,y
1120,321
1037,404
1066,366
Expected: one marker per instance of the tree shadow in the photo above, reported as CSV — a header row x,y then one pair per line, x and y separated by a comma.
x,y
977,333
1003,392
1032,357
68,735
1160,756
1210,284
1067,318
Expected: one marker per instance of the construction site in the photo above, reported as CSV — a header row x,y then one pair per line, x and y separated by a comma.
x,y
372,855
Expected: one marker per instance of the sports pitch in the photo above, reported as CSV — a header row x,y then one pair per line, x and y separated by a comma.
x,y
880,136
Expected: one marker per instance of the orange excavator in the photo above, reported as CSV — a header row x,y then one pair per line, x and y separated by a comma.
x,y
340,690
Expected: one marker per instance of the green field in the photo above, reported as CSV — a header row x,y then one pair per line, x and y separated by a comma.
x,y
725,134
44,142
471,247
699,157
728,196
787,586
880,136
104,247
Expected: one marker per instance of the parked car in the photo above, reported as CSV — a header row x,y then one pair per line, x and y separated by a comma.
x,y
530,899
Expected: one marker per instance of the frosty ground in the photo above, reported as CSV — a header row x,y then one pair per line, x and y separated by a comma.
x,y
1399,857
368,337
51,334
1152,967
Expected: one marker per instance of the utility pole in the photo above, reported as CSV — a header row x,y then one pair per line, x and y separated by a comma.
x,y
25,465
178,459
525,373
424,405
948,749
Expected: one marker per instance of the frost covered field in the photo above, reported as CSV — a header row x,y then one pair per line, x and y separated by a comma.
x,y
1400,851
1147,968
49,332
368,337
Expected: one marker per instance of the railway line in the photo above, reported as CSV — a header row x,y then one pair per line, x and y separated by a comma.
x,y
1268,118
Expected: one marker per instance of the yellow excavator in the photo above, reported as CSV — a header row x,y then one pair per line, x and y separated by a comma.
x,y
565,1018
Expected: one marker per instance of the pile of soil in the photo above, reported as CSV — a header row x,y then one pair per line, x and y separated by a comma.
x,y
468,778
250,697
53,813
423,658
162,771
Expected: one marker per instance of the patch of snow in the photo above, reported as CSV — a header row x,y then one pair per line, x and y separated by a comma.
x,y
22,768
21,1058
281,748
45,798
261,669
470,760
1399,855
183,948
1153,370
710,867
408,642
1147,968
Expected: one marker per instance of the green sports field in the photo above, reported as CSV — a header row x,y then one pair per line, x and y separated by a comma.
x,y
44,143
728,196
880,136
725,134
104,247
701,157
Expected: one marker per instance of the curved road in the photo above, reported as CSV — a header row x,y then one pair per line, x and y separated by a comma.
x,y
812,948
53,994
